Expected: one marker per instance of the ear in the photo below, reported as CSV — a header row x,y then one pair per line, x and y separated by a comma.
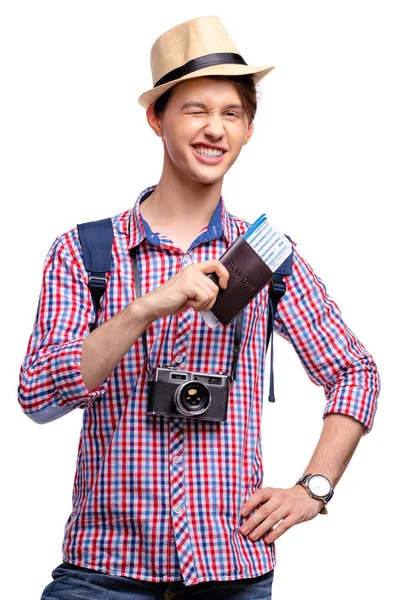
x,y
249,132
154,120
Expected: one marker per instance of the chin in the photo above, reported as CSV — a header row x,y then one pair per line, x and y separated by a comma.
x,y
202,176
208,180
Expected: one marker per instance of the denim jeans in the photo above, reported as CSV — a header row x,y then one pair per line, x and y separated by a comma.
x,y
76,583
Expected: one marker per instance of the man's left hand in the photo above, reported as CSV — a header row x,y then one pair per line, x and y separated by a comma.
x,y
281,507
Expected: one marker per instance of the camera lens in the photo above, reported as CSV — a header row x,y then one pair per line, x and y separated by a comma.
x,y
192,398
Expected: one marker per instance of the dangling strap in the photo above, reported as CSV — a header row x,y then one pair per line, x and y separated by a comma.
x,y
138,293
237,344
277,289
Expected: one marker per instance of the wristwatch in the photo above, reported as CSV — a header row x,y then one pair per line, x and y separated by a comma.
x,y
318,487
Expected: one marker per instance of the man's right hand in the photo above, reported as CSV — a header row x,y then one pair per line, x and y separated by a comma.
x,y
190,288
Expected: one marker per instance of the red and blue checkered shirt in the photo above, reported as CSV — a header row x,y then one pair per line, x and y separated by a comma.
x,y
158,498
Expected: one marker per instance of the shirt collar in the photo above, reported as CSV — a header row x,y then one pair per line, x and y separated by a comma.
x,y
136,228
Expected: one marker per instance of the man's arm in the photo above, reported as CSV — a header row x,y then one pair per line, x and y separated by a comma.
x,y
339,438
66,366
333,358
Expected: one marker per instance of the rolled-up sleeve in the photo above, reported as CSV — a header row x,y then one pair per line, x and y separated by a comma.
x,y
51,382
331,354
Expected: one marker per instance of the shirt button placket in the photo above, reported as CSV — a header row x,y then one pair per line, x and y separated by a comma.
x,y
178,509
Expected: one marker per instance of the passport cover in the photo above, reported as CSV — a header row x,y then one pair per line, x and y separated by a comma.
x,y
248,274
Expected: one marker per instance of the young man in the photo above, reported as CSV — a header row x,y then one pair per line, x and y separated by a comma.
x,y
166,506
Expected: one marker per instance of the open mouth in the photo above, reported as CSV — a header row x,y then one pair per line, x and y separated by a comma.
x,y
209,155
211,152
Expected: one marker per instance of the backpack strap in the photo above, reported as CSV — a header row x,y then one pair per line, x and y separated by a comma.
x,y
96,238
277,289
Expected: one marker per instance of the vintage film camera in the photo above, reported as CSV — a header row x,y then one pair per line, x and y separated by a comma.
x,y
189,395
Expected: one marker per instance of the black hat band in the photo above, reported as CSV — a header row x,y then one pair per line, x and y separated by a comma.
x,y
209,60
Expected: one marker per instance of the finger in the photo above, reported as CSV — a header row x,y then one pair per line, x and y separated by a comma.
x,y
266,525
214,266
209,283
193,273
286,524
271,511
198,306
257,498
201,297
210,289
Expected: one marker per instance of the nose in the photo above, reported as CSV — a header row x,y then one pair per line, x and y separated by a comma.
x,y
215,127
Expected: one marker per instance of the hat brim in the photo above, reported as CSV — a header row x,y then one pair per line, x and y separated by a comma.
x,y
225,69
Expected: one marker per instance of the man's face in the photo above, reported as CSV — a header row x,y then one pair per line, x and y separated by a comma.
x,y
204,128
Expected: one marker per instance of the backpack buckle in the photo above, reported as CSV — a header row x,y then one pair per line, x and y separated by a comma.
x,y
97,283
278,288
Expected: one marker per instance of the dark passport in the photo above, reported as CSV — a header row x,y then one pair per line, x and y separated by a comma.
x,y
248,274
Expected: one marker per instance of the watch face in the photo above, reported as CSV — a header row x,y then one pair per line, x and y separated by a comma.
x,y
319,485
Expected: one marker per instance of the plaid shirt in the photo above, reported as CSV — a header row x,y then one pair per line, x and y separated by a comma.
x,y
158,498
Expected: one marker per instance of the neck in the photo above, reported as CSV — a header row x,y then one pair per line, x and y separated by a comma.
x,y
181,201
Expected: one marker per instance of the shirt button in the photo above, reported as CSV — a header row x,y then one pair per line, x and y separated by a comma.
x,y
186,258
177,459
179,359
178,509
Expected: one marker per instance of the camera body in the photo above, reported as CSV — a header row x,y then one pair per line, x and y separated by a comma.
x,y
189,395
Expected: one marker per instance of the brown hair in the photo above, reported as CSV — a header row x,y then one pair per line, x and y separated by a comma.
x,y
244,85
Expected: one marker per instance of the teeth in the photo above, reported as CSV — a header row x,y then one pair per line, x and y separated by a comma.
x,y
209,151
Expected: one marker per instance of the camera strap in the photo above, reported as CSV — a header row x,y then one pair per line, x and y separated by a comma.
x,y
237,341
138,293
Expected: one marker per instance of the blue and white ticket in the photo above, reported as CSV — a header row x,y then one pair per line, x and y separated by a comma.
x,y
273,247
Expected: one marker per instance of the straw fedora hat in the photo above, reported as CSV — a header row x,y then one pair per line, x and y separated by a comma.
x,y
196,48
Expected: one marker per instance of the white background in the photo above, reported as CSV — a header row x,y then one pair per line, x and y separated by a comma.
x,y
323,164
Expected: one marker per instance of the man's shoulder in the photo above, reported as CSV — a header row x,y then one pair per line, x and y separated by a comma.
x,y
119,221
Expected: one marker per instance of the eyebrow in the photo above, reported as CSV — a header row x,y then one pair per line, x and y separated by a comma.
x,y
192,104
